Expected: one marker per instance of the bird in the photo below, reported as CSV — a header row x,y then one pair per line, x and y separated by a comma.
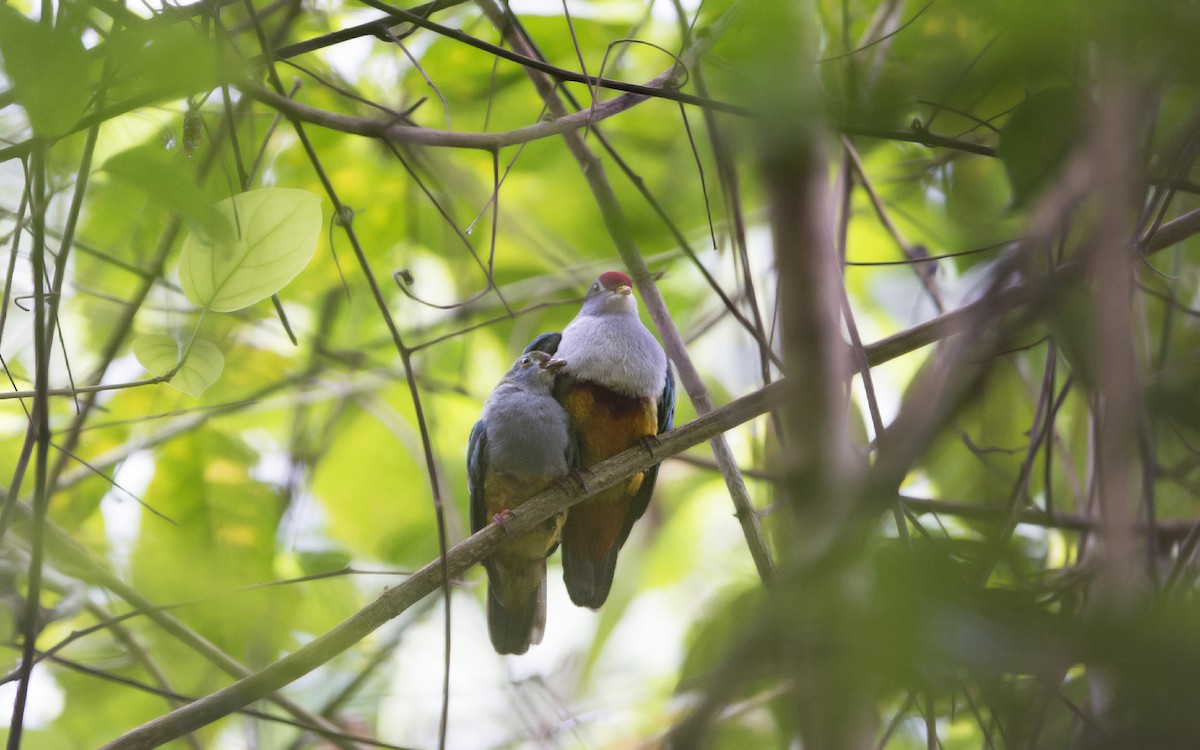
x,y
521,445
618,390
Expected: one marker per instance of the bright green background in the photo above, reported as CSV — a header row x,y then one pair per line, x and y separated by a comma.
x,y
304,458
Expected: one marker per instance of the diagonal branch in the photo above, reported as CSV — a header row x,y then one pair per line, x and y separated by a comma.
x,y
429,578
76,560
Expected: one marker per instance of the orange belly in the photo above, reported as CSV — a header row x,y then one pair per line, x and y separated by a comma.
x,y
606,423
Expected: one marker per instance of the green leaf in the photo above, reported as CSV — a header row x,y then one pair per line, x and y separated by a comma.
x,y
159,354
171,61
271,235
1037,139
167,182
49,71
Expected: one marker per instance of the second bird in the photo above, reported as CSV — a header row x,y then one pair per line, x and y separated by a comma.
x,y
520,445
618,390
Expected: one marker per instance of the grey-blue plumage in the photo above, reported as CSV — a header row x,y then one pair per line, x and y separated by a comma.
x,y
618,390
521,444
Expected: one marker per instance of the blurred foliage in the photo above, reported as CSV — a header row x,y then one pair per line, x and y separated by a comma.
x,y
262,503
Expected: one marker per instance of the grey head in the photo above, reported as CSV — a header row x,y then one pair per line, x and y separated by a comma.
x,y
533,371
528,433
610,294
607,344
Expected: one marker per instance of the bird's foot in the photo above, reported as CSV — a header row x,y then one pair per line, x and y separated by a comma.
x,y
649,442
576,473
502,518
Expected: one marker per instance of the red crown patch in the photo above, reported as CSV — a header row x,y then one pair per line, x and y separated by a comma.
x,y
611,279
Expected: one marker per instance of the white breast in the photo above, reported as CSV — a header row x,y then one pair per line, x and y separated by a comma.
x,y
616,351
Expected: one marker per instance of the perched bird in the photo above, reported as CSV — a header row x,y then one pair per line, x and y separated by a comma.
x,y
618,391
521,444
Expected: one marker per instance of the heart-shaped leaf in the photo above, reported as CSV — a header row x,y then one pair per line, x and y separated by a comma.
x,y
272,235
159,354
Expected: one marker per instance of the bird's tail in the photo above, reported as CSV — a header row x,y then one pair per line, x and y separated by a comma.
x,y
515,626
588,579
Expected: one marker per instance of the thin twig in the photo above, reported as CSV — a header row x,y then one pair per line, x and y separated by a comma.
x,y
39,427
342,738
913,252
860,356
139,653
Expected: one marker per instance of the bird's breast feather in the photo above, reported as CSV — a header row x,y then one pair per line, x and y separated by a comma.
x,y
607,421
616,351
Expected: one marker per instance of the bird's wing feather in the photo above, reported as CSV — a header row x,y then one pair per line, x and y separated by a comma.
x,y
574,452
574,461
476,472
666,420
546,342
666,403
641,501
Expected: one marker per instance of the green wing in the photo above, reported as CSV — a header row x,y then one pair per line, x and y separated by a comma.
x,y
476,471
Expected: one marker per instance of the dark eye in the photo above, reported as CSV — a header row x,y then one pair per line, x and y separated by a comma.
x,y
525,361
596,287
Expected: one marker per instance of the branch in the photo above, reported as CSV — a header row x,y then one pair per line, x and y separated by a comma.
x,y
923,137
1175,231
344,737
376,28
957,320
1173,531
662,85
429,578
562,74
74,391
389,130
76,559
